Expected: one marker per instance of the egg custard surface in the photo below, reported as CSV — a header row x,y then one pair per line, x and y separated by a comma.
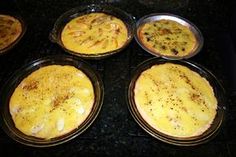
x,y
167,38
175,100
10,30
94,33
52,101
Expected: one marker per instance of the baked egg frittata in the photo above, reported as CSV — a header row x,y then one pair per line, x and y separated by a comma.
x,y
10,30
94,33
52,101
167,38
175,100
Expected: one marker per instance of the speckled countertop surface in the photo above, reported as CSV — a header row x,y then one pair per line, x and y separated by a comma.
x,y
115,132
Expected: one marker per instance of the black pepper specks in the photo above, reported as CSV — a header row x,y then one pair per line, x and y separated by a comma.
x,y
163,47
174,51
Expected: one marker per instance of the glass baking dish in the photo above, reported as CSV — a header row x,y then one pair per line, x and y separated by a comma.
x,y
24,28
55,35
19,75
181,141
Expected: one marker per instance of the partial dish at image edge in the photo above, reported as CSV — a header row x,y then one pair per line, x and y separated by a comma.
x,y
18,39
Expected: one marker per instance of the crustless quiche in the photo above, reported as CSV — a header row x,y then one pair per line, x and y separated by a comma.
x,y
10,30
94,33
175,100
52,101
167,38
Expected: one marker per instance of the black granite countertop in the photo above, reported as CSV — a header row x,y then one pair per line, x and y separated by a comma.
x,y
115,132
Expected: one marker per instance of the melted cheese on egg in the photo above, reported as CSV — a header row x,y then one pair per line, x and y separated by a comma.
x,y
175,100
52,101
94,33
167,38
10,30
